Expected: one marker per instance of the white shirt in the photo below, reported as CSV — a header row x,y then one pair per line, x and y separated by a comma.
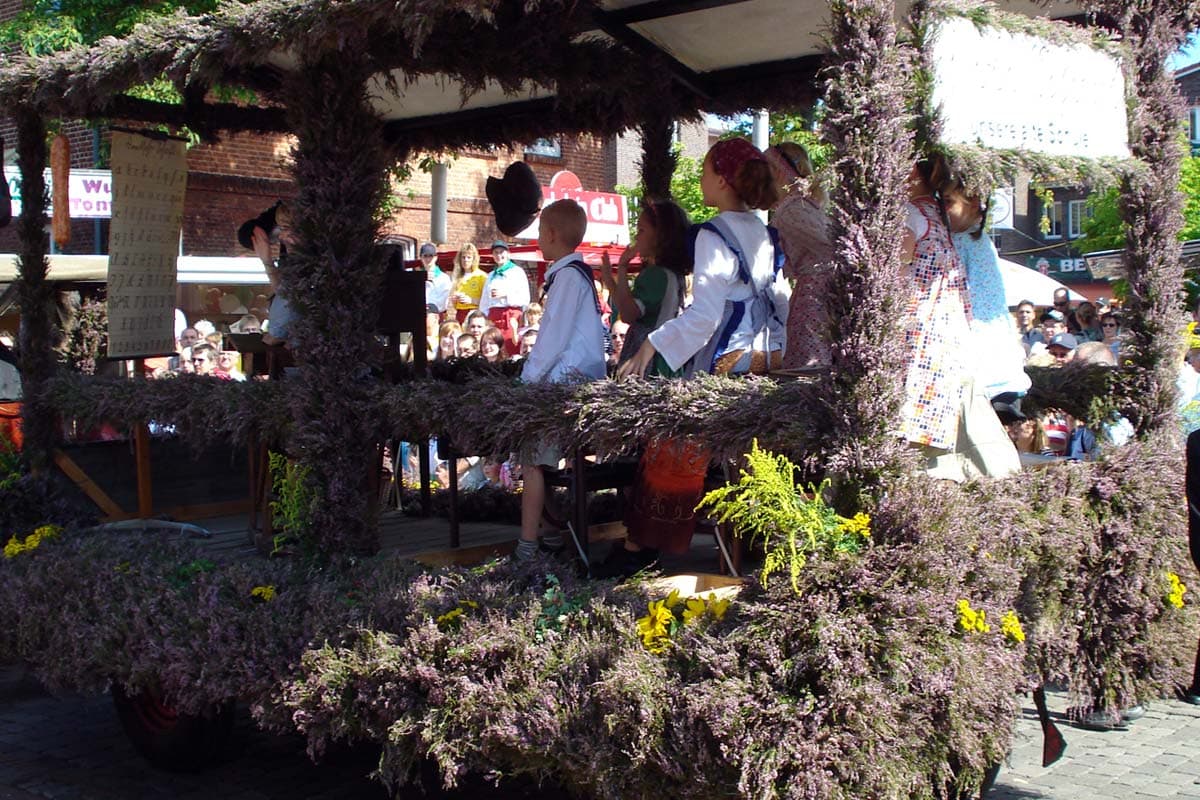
x,y
437,289
570,339
715,281
512,290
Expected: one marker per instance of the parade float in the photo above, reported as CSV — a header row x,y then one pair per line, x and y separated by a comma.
x,y
883,653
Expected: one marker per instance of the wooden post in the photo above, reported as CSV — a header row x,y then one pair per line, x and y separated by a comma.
x,y
141,446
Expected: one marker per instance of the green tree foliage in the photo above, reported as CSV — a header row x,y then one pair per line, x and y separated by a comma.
x,y
685,190
799,126
1105,230
45,26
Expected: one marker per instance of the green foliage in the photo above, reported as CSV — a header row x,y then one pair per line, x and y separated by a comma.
x,y
292,507
793,526
795,125
46,26
1105,230
10,463
685,190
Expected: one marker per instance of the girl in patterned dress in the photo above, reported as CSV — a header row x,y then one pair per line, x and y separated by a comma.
x,y
937,322
804,233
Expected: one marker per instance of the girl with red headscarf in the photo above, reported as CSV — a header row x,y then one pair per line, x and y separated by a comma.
x,y
735,325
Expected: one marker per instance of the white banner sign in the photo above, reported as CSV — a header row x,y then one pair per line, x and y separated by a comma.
x,y
149,181
90,191
1015,91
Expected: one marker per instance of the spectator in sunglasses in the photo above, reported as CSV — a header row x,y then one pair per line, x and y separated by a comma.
x,y
1062,303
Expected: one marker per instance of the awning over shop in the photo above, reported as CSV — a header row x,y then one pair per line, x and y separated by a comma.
x,y
192,269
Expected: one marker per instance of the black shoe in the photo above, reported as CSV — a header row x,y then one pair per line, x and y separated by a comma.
x,y
1101,721
622,563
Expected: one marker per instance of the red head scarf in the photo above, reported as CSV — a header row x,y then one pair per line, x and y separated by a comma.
x,y
728,156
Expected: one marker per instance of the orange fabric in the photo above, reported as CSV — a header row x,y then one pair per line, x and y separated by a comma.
x,y
670,483
10,424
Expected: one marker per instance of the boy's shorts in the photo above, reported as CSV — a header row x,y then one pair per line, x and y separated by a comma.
x,y
542,455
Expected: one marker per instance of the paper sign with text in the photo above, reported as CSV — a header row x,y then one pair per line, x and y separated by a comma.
x,y
1007,90
149,180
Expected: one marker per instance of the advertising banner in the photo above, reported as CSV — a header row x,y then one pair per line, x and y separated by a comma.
x,y
608,214
90,192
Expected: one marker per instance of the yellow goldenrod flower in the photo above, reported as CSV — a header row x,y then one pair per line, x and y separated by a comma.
x,y
449,617
970,620
13,548
264,593
717,607
859,524
695,610
1174,596
1010,626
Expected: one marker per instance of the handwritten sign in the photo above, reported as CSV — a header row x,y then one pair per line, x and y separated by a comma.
x,y
1016,91
90,192
149,178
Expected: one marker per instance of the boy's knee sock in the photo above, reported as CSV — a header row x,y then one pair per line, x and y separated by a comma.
x,y
553,539
526,550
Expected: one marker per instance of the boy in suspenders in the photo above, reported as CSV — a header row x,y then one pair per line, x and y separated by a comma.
x,y
569,347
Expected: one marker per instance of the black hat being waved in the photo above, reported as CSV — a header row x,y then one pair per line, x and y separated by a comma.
x,y
516,198
265,220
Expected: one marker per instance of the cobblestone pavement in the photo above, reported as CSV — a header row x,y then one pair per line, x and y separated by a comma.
x,y
1158,756
73,748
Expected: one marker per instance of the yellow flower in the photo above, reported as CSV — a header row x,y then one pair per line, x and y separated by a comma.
x,y
695,610
717,607
13,548
1174,596
673,599
654,628
860,524
1010,626
970,620
468,604
450,617
264,593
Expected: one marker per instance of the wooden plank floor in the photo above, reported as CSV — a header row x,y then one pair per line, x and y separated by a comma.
x,y
428,538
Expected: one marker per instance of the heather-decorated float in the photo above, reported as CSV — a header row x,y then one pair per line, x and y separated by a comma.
x,y
880,650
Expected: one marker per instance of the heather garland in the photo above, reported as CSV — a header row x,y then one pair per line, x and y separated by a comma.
x,y
964,594
866,122
1151,203
35,295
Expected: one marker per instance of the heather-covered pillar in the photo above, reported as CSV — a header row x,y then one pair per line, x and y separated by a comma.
x,y
866,122
35,295
1151,203
332,277
658,157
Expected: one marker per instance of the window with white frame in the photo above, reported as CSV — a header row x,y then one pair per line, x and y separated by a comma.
x,y
1054,212
1194,126
544,147
1077,212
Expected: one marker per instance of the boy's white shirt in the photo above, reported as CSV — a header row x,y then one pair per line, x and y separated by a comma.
x,y
570,340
